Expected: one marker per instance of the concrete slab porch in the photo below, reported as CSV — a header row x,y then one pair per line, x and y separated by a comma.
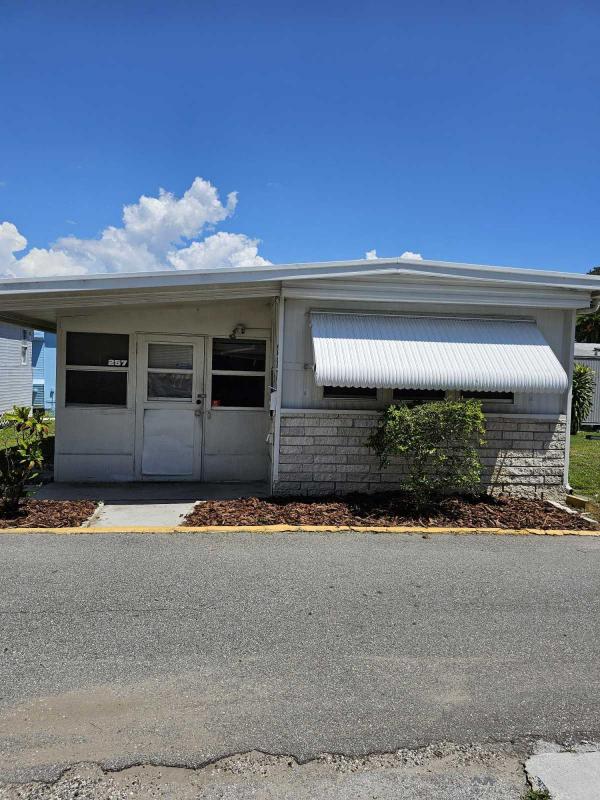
x,y
126,504
151,492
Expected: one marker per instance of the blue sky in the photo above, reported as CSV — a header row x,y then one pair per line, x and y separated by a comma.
x,y
463,131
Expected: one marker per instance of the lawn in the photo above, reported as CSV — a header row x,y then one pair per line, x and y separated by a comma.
x,y
584,468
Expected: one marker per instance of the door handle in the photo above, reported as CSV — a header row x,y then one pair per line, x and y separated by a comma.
x,y
198,412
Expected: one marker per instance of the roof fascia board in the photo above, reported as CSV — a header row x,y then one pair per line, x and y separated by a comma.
x,y
445,295
154,297
302,272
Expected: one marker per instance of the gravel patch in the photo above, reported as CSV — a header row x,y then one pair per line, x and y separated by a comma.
x,y
470,772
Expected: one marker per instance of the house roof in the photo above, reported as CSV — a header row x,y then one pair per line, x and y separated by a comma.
x,y
38,300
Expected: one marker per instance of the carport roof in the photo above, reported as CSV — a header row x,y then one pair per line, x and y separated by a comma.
x,y
38,301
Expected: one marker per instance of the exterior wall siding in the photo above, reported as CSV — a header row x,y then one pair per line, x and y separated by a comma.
x,y
15,377
325,453
300,390
97,443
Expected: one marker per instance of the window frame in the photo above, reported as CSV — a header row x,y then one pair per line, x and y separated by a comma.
x,y
487,401
362,398
419,398
241,373
108,368
170,371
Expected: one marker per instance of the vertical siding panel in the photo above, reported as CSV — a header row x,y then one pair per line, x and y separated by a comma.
x,y
15,378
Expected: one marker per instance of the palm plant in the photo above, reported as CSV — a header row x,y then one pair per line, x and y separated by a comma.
x,y
584,383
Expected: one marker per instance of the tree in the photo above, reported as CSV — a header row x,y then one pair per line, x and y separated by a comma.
x,y
582,398
588,325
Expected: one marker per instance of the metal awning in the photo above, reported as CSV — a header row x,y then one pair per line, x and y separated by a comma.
x,y
418,352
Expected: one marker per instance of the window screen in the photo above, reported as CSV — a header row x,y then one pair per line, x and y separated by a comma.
x,y
490,397
96,387
349,392
239,355
244,391
172,385
233,363
97,349
418,395
170,356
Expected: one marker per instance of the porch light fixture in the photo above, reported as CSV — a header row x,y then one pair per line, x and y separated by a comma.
x,y
239,330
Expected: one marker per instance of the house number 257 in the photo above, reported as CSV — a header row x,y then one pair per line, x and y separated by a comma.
x,y
117,362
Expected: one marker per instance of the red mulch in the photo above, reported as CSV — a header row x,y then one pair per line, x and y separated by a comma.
x,y
49,514
387,509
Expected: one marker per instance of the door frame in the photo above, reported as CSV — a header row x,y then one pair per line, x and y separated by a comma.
x,y
198,341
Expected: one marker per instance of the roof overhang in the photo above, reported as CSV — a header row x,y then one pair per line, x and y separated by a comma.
x,y
39,301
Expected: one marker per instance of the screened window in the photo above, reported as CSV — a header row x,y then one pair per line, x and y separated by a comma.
x,y
349,392
490,397
96,369
170,371
97,349
239,355
96,388
238,373
418,395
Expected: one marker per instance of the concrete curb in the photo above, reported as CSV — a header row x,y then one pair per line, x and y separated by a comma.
x,y
272,529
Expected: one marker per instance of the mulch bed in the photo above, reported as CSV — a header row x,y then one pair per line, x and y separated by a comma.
x,y
387,509
50,514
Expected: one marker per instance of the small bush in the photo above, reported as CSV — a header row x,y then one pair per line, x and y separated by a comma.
x,y
21,462
439,442
584,382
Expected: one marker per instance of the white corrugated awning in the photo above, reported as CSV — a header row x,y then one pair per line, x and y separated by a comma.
x,y
451,353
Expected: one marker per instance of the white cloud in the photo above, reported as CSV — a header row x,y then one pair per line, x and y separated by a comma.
x,y
371,255
157,233
408,254
219,250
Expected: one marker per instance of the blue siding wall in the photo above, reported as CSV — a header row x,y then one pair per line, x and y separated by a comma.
x,y
44,369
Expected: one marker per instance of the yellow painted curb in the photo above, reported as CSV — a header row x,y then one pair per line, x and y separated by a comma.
x,y
270,529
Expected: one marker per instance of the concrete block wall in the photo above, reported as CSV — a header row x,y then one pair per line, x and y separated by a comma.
x,y
325,453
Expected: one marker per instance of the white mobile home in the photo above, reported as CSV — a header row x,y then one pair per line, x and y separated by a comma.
x,y
277,373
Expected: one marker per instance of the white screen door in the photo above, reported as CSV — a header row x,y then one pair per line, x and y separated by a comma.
x,y
170,407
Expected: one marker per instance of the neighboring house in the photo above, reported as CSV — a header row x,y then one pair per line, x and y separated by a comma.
x,y
15,366
589,356
44,370
278,373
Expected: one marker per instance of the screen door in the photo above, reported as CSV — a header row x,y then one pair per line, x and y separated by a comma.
x,y
170,407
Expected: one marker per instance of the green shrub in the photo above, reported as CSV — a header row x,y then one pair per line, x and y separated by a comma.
x,y
21,462
439,442
582,398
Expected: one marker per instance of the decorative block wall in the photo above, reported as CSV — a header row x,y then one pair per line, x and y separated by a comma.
x,y
325,453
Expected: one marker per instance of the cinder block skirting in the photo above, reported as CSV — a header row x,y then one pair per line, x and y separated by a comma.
x,y
325,453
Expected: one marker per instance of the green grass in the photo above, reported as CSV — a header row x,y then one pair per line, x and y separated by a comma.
x,y
584,466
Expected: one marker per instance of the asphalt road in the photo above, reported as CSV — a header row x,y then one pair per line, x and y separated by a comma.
x,y
182,649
